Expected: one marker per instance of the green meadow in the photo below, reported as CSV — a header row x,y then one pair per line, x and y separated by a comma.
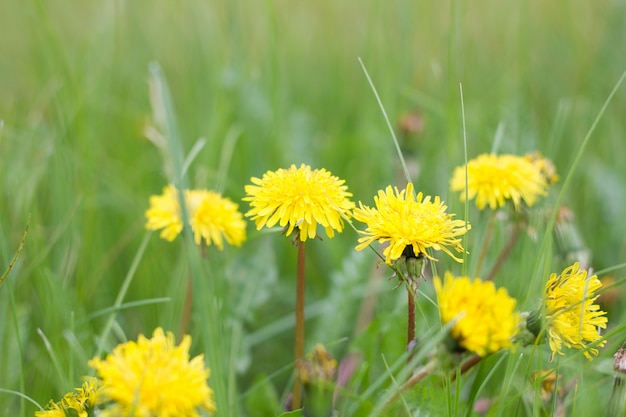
x,y
247,87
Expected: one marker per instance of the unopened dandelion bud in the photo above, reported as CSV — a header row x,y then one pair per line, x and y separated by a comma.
x,y
534,324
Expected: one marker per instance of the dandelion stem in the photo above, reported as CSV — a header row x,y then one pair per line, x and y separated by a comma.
x,y
184,323
299,355
467,365
417,376
486,243
410,319
506,251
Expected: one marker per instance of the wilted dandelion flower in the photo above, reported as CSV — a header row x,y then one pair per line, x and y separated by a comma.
x,y
212,217
493,179
154,378
571,316
485,318
299,198
545,166
319,366
404,220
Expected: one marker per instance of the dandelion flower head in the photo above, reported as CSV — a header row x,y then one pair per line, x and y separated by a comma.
x,y
299,198
78,403
485,318
215,218
164,213
154,378
494,179
571,315
212,218
402,219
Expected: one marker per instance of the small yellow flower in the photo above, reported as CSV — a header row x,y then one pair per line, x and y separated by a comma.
x,y
299,198
52,410
571,316
212,217
77,403
154,378
493,179
404,220
486,320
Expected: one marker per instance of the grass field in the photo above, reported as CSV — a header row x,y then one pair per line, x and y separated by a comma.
x,y
257,86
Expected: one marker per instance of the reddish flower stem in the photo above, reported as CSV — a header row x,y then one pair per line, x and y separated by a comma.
x,y
410,318
299,350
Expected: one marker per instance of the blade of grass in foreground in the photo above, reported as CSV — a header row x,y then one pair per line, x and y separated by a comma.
x,y
204,283
122,293
568,178
16,325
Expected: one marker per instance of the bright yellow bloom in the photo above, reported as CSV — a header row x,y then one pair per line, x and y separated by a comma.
x,y
164,213
299,198
404,220
74,403
154,378
212,217
572,318
493,179
486,320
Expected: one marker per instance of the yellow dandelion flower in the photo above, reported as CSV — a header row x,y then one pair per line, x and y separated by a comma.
x,y
299,198
486,320
52,410
164,213
215,218
154,378
77,403
493,179
212,217
571,316
404,220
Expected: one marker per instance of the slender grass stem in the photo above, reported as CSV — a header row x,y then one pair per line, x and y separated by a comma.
x,y
299,350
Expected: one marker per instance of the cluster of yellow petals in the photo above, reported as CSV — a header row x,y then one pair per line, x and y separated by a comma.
x,y
494,179
402,219
79,403
299,198
154,378
572,317
484,317
212,217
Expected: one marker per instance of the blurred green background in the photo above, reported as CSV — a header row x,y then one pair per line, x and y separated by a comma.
x,y
281,83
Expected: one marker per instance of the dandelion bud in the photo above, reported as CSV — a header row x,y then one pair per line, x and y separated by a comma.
x,y
617,403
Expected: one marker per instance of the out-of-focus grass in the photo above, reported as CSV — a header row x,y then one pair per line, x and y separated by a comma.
x,y
282,80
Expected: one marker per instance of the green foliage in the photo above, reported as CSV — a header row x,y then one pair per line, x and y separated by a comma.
x,y
254,86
